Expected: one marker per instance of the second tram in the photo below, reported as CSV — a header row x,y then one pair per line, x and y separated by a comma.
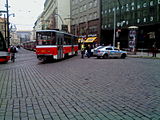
x,y
30,45
4,54
55,44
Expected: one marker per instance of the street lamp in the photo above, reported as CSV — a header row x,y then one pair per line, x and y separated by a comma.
x,y
119,11
114,33
60,19
8,33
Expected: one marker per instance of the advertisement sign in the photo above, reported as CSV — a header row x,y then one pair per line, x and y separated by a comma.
x,y
132,40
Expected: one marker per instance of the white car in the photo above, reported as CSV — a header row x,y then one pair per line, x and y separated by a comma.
x,y
95,49
110,51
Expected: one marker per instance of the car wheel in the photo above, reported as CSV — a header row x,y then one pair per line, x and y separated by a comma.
x,y
123,56
105,56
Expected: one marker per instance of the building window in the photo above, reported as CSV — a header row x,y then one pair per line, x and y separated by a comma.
x,y
102,12
81,19
138,20
85,18
109,10
90,5
151,18
81,9
127,22
95,3
90,16
84,7
117,8
113,9
151,3
144,4
95,15
127,9
138,6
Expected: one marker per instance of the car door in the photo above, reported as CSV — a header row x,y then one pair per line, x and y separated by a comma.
x,y
117,52
110,51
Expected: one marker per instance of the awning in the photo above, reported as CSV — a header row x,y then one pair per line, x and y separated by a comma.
x,y
91,39
81,40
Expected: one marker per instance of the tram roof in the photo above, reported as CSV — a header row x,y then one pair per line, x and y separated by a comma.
x,y
55,31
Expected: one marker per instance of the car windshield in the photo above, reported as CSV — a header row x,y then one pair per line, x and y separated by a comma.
x,y
99,47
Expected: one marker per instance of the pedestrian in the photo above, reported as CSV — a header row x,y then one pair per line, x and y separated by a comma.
x,y
154,50
82,51
88,51
13,51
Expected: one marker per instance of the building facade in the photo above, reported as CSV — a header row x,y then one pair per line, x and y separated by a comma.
x,y
54,15
137,20
85,20
3,27
15,39
23,36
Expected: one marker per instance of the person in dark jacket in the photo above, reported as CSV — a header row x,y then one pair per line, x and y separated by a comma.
x,y
13,50
82,51
88,48
154,50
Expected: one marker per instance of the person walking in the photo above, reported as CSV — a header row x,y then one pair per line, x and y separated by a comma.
x,y
82,51
154,50
88,51
13,52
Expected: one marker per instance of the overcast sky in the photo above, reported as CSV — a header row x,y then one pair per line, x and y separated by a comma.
x,y
26,12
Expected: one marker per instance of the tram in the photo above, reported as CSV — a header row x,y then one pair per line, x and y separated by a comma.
x,y
30,45
55,44
4,54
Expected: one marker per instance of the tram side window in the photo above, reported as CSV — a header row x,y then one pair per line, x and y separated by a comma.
x,y
67,40
75,40
59,41
1,45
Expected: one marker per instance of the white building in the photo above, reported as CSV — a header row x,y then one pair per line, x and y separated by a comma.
x,y
56,13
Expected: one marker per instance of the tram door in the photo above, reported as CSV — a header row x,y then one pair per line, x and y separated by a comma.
x,y
60,39
72,40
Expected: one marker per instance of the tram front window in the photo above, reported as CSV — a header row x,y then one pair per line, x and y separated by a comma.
x,y
2,43
46,38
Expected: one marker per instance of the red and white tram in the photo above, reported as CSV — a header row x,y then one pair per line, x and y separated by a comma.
x,y
55,44
4,54
30,45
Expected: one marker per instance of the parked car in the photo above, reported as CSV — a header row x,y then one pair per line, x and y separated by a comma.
x,y
95,49
110,51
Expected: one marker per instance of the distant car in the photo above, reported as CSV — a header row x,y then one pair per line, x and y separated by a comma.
x,y
109,51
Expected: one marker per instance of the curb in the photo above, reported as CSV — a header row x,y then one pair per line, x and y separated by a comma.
x,y
148,57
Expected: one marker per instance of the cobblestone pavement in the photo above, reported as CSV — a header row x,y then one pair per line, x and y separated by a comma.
x,y
80,89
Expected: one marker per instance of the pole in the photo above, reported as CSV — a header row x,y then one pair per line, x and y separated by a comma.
x,y
8,33
114,34
5,27
120,12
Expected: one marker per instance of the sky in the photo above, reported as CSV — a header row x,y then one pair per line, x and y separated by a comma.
x,y
26,12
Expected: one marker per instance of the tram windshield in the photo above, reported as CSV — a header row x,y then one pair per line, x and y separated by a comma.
x,y
46,38
2,43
